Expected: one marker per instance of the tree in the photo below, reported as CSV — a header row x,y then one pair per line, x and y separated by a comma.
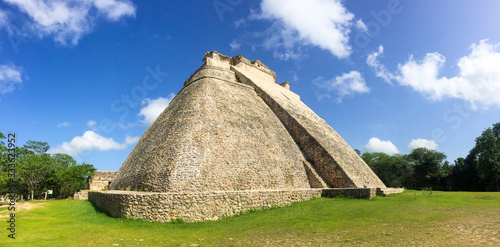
x,y
3,166
394,171
34,165
37,171
69,177
464,175
79,174
486,154
53,181
38,148
382,165
429,167
444,179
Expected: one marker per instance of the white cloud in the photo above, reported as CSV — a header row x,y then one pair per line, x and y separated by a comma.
x,y
90,141
239,23
129,140
153,108
323,23
10,76
235,45
477,82
377,145
91,124
423,143
295,77
3,18
69,20
114,9
361,25
63,124
346,84
380,69
288,54
127,125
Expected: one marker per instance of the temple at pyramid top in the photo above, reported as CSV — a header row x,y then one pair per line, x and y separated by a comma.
x,y
233,128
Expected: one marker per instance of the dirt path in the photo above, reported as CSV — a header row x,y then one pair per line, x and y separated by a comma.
x,y
20,207
482,229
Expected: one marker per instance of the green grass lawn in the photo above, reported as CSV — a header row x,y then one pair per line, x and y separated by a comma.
x,y
437,219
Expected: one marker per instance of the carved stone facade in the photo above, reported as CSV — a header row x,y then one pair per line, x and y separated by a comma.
x,y
100,181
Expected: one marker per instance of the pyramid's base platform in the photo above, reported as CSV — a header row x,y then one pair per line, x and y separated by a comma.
x,y
203,206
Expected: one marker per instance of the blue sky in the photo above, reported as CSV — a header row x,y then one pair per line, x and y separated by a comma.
x,y
89,76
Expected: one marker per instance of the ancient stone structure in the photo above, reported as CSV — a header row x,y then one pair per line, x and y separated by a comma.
x,y
211,205
231,140
99,181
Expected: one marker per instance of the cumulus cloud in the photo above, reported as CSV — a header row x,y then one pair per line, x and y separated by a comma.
x,y
377,145
90,141
361,25
63,124
423,143
477,82
68,20
346,84
129,140
323,23
153,108
10,76
114,10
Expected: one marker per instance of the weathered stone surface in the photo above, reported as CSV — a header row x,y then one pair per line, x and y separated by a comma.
x,y
216,134
233,140
99,181
334,160
202,206
389,191
81,195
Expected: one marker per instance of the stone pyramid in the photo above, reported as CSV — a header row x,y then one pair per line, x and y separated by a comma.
x,y
232,127
235,131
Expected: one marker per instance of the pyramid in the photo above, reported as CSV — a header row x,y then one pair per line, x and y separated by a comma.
x,y
233,136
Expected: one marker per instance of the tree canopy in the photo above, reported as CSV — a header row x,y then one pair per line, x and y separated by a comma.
x,y
479,171
37,171
485,156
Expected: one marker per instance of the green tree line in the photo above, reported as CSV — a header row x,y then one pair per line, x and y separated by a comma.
x,y
36,171
421,168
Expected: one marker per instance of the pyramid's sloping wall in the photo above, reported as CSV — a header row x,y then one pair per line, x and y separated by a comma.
x,y
216,135
232,127
334,160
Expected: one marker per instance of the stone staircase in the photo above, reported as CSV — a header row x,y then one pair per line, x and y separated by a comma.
x,y
388,191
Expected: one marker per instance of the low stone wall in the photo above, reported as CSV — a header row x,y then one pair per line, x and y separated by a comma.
x,y
203,206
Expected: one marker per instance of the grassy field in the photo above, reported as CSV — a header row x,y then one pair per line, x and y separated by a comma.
x,y
437,219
